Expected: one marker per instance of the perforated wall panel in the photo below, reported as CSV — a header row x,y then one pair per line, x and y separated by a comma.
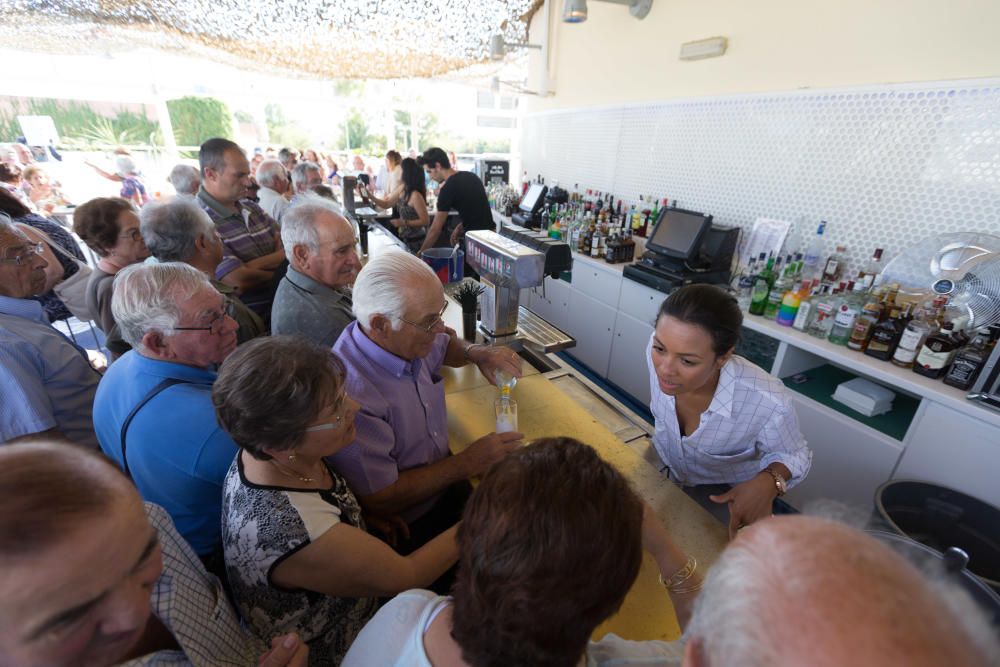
x,y
882,165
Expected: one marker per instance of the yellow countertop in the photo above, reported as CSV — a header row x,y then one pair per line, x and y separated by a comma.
x,y
544,410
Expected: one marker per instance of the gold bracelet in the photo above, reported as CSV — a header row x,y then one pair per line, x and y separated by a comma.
x,y
681,575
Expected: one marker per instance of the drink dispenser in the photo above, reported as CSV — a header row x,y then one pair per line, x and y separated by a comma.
x,y
505,268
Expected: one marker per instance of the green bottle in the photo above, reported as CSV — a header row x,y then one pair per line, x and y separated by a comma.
x,y
762,288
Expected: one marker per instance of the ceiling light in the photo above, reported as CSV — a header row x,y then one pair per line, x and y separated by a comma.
x,y
575,11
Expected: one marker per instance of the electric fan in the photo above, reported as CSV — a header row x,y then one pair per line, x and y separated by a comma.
x,y
965,267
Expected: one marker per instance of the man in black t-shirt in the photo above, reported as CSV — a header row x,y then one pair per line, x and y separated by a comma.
x,y
462,191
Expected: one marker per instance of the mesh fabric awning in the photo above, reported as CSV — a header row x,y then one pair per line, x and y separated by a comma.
x,y
337,39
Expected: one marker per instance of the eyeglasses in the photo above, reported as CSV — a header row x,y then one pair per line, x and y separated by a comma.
x,y
328,426
217,324
31,249
428,328
132,235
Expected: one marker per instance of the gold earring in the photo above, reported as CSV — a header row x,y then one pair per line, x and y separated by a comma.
x,y
291,457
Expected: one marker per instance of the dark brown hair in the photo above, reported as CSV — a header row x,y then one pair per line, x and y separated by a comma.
x,y
11,205
96,222
709,307
9,172
394,157
550,543
48,489
270,389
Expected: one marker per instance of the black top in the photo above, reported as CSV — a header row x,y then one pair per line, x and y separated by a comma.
x,y
465,193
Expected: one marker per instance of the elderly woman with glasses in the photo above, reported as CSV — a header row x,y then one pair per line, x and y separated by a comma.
x,y
110,227
296,549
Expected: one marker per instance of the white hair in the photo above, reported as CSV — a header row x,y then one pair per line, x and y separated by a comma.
x,y
148,298
736,614
124,165
170,229
380,288
298,224
300,174
269,172
185,178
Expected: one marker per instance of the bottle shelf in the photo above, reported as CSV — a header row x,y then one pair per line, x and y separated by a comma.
x,y
819,352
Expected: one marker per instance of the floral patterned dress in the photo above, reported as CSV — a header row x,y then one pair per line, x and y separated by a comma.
x,y
263,525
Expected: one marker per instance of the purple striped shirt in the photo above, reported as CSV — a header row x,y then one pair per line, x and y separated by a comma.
x,y
402,422
246,235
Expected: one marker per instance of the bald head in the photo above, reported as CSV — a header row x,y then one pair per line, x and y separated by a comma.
x,y
803,590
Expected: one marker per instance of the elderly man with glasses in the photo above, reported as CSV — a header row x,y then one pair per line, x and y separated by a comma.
x,y
47,384
153,413
313,299
399,462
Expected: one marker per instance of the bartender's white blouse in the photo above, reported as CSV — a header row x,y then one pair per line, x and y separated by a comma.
x,y
749,425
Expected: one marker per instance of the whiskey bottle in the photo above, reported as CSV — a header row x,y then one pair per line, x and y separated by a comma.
x,y
886,334
969,362
938,352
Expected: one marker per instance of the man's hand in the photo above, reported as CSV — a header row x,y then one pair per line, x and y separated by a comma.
x,y
489,449
286,651
493,359
456,234
748,501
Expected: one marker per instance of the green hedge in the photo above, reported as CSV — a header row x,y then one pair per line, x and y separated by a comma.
x,y
197,119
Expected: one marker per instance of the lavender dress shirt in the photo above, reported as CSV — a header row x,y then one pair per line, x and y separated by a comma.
x,y
402,422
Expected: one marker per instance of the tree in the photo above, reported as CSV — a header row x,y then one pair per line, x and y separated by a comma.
x,y
197,119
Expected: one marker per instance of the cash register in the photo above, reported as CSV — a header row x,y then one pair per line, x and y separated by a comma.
x,y
529,211
685,247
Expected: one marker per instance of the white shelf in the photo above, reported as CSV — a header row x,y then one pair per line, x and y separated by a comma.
x,y
902,379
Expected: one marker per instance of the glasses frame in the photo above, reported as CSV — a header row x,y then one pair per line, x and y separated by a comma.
x,y
328,426
32,249
228,310
429,328
134,235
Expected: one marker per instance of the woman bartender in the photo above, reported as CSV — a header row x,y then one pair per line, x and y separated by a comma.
x,y
723,425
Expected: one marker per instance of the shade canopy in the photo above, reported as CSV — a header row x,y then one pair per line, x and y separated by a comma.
x,y
336,39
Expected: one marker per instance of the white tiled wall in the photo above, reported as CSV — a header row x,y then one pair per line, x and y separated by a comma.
x,y
884,165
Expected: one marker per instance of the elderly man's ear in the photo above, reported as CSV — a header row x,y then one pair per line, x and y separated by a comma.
x,y
301,254
380,325
154,342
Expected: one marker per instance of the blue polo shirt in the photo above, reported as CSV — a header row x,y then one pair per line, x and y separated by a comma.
x,y
46,381
178,454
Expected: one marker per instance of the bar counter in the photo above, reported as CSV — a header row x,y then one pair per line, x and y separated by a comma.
x,y
545,410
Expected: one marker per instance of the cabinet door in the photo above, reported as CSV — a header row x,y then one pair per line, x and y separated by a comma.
x,y
558,294
598,282
627,367
590,323
954,450
639,301
850,460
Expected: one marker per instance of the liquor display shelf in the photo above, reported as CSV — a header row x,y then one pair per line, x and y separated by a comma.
x,y
791,361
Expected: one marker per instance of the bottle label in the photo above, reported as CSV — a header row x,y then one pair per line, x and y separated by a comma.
x,y
831,267
962,370
911,340
845,317
933,360
904,355
802,316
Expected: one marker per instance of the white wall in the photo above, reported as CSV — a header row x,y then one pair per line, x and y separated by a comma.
x,y
774,45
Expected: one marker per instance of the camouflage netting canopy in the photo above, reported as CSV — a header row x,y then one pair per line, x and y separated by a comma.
x,y
327,39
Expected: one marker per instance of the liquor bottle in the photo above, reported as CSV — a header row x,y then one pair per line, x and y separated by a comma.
x,y
824,309
611,249
834,266
630,248
871,270
969,362
912,339
845,318
762,288
886,334
791,302
596,244
869,316
806,305
938,351
743,284
588,239
778,289
813,256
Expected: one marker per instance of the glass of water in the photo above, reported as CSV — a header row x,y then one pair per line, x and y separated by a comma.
x,y
506,411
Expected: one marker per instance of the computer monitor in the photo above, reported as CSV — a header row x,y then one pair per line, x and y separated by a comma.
x,y
678,233
533,198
